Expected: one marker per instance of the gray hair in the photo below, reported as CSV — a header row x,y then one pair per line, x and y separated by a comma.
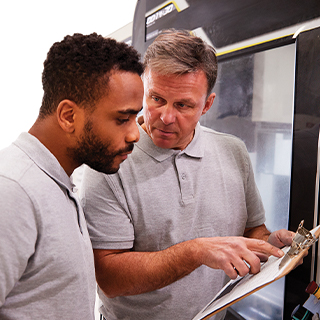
x,y
179,52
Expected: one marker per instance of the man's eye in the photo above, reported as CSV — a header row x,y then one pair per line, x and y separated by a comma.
x,y
121,121
156,99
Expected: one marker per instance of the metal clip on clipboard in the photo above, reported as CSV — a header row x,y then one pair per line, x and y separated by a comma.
x,y
303,239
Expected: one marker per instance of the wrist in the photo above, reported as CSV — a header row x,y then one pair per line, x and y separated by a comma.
x,y
197,252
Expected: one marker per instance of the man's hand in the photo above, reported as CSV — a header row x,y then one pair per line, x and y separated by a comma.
x,y
235,255
281,238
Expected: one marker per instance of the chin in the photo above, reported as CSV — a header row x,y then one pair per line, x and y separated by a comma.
x,y
112,170
107,169
163,145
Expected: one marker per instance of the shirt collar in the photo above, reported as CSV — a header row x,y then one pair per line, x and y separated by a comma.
x,y
43,158
194,149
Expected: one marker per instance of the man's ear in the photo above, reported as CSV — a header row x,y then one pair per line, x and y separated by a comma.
x,y
208,103
66,113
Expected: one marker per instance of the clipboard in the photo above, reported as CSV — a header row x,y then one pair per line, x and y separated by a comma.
x,y
241,287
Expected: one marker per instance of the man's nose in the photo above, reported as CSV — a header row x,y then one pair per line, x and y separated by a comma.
x,y
168,114
133,134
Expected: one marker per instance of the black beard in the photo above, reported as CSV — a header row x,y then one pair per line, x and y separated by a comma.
x,y
94,153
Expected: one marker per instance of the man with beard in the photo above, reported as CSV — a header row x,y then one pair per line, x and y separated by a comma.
x,y
92,94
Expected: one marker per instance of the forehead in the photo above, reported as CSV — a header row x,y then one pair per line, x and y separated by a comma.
x,y
123,81
173,83
124,91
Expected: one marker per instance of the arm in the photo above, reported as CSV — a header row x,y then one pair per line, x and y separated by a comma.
x,y
259,232
123,272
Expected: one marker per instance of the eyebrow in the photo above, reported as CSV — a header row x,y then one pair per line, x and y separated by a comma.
x,y
184,101
130,111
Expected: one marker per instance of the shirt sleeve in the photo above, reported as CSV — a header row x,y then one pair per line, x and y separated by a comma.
x,y
18,234
255,208
108,218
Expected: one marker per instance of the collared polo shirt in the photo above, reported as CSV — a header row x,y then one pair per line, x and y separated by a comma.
x,y
46,259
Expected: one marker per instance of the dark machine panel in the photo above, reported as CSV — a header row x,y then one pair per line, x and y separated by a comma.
x,y
225,22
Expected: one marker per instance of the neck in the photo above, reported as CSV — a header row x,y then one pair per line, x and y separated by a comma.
x,y
49,133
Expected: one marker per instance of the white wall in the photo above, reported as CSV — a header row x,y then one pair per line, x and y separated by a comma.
x,y
28,29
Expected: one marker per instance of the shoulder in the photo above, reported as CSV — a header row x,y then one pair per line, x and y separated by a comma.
x,y
15,193
22,176
14,163
96,184
226,148
213,137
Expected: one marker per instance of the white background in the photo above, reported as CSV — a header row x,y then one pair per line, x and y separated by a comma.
x,y
28,30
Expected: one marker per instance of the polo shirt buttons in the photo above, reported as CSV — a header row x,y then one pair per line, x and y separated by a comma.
x,y
183,176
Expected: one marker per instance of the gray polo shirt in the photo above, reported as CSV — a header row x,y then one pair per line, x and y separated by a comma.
x,y
46,260
161,197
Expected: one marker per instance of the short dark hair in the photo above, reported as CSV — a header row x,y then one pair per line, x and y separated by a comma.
x,y
78,69
180,52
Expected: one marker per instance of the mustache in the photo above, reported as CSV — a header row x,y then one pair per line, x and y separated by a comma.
x,y
129,148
